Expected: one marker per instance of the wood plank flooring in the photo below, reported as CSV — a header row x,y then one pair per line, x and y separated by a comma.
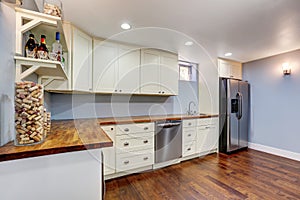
x,y
247,174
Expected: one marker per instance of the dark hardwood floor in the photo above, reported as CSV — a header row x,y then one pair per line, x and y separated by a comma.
x,y
248,174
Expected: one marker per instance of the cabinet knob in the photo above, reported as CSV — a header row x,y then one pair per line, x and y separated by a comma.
x,y
126,162
159,92
146,158
146,141
111,129
163,92
126,129
190,124
116,90
146,128
120,90
189,149
207,127
189,135
126,144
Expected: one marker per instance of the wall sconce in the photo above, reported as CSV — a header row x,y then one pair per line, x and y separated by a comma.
x,y
286,69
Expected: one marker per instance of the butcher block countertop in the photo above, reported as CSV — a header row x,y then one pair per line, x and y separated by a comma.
x,y
144,119
78,135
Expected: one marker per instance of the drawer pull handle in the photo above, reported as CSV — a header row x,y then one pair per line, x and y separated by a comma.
x,y
189,135
111,129
126,162
207,127
146,141
146,158
126,129
126,144
190,124
146,128
189,149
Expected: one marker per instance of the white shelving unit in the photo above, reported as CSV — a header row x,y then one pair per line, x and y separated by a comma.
x,y
38,66
40,23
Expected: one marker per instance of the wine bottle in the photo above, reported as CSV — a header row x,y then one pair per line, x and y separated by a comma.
x,y
30,47
42,50
57,48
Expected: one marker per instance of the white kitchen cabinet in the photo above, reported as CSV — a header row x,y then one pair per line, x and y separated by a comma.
x,y
134,146
78,63
115,68
159,72
128,69
82,61
189,137
230,69
207,135
109,153
105,66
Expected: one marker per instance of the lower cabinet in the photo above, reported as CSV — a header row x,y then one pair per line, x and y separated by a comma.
x,y
207,135
133,148
200,136
109,153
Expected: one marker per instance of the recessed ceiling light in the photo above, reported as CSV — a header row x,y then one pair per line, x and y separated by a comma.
x,y
188,43
228,54
125,26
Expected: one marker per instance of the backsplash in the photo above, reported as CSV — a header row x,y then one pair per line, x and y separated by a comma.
x,y
67,106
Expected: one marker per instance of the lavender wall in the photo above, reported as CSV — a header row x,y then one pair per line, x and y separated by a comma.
x,y
275,101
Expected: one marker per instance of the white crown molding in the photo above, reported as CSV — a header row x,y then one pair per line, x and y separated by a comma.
x,y
275,151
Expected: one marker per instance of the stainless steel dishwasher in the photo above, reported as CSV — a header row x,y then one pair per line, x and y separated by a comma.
x,y
168,140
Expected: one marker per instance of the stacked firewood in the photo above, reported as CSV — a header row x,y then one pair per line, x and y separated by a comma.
x,y
30,117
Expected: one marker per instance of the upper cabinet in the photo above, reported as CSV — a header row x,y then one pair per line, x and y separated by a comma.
x,y
159,72
230,69
116,68
127,69
82,61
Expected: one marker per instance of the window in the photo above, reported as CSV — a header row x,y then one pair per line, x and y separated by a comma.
x,y
187,71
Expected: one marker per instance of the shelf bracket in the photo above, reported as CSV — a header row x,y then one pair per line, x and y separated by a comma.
x,y
49,79
21,28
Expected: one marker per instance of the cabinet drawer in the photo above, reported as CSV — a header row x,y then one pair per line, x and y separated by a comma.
x,y
125,143
189,123
189,134
189,149
135,128
203,122
134,160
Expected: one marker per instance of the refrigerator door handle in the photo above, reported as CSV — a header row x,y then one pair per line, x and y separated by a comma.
x,y
240,100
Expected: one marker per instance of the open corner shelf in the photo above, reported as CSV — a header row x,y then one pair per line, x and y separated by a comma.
x,y
42,68
27,20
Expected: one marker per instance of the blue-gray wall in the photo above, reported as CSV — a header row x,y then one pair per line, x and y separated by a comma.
x,y
64,106
275,101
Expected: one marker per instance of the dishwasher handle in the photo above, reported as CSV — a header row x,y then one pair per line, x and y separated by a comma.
x,y
166,125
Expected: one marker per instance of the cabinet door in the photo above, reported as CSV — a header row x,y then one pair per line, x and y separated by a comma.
x,y
169,73
104,66
236,70
128,71
224,69
150,82
109,153
207,138
82,61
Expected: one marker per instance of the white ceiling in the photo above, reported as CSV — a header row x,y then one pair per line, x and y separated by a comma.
x,y
250,29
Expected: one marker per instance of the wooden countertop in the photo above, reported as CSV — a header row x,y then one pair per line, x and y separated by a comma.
x,y
78,135
144,119
65,136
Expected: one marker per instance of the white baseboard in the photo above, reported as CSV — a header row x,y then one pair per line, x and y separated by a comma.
x,y
275,151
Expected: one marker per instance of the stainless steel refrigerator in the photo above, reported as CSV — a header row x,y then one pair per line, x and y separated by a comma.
x,y
234,115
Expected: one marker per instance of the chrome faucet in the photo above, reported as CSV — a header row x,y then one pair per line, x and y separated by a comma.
x,y
189,110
